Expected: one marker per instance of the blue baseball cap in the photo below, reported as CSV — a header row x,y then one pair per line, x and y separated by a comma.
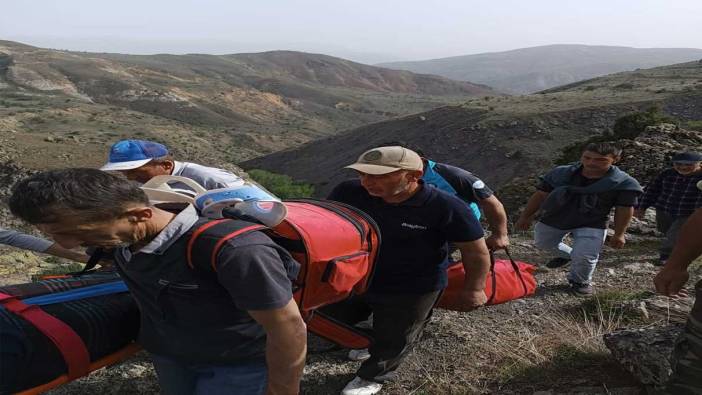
x,y
130,154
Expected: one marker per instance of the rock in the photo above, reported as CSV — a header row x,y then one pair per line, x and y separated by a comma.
x,y
645,352
50,139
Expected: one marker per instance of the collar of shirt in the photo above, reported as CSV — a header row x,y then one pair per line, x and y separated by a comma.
x,y
177,168
419,198
168,235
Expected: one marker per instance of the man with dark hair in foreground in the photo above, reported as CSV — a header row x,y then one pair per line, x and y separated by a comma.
x,y
577,199
232,329
687,355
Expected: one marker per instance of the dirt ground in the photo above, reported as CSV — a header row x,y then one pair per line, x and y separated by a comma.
x,y
550,343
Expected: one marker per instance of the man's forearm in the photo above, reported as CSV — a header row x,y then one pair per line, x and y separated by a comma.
x,y
57,250
533,205
476,263
622,218
495,215
286,347
689,244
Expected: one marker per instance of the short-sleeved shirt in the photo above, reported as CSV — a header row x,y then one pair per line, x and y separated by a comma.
x,y
413,251
467,185
208,177
570,217
196,315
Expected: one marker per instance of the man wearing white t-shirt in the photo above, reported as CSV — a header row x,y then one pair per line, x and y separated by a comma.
x,y
141,160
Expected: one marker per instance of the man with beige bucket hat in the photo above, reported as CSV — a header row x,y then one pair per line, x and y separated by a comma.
x,y
416,221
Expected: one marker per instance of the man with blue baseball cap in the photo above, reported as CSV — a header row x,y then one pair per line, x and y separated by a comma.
x,y
141,160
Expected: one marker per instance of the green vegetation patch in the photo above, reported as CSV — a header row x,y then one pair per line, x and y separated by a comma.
x,y
632,125
693,125
281,185
57,269
608,306
628,126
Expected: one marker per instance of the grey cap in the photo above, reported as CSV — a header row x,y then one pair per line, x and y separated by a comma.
x,y
688,157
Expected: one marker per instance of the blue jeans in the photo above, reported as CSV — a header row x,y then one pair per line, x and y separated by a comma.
x,y
178,378
584,254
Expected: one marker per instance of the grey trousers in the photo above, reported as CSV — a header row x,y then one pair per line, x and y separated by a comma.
x,y
670,227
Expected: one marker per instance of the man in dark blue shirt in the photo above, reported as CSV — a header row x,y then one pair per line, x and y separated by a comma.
x,y
416,223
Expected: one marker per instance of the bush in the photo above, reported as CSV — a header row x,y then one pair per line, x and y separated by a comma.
x,y
694,125
631,125
281,185
624,86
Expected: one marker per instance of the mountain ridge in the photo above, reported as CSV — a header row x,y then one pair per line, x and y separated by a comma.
x,y
528,70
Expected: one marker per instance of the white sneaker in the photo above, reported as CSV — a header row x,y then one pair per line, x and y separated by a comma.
x,y
359,386
359,355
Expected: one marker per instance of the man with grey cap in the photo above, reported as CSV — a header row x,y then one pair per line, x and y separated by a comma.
x,y
674,196
141,160
416,222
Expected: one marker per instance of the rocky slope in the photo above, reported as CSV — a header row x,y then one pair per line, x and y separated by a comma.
x,y
533,69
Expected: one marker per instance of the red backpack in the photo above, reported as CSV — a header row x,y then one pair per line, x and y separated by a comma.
x,y
336,246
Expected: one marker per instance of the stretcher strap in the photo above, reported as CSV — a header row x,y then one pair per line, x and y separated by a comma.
x,y
67,341
79,293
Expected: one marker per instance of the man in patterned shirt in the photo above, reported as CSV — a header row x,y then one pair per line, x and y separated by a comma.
x,y
675,197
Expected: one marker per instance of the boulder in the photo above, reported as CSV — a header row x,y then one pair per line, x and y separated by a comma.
x,y
645,352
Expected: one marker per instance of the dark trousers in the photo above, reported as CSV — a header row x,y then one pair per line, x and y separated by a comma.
x,y
670,227
398,322
687,355
178,378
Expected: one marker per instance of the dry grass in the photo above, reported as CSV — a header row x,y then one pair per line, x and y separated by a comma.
x,y
558,349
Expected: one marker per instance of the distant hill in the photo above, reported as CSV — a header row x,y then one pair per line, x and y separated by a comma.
x,y
231,107
534,69
503,138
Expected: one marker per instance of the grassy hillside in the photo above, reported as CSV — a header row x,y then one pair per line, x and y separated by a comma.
x,y
231,107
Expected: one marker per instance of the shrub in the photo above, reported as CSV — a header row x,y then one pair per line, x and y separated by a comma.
x,y
694,125
631,125
281,185
625,85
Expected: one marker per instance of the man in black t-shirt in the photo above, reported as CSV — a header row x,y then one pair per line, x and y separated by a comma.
x,y
416,223
576,200
229,328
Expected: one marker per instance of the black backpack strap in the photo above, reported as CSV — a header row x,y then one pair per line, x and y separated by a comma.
x,y
95,258
208,239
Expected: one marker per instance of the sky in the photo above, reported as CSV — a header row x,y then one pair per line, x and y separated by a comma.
x,y
361,30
